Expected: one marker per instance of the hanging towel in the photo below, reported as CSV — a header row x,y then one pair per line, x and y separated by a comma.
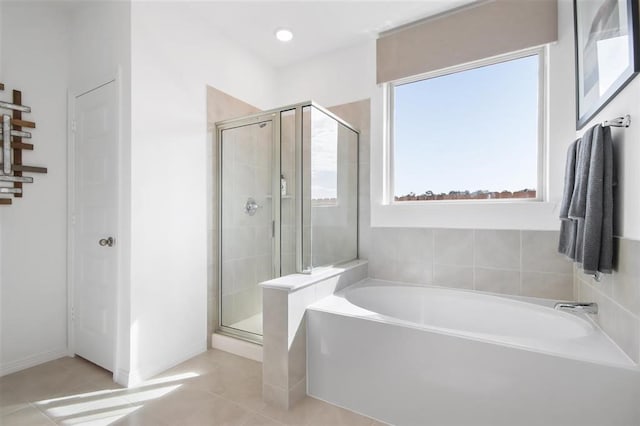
x,y
568,227
597,252
578,205
586,232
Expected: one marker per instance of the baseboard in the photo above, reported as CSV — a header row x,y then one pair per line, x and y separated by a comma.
x,y
236,346
138,375
122,377
32,361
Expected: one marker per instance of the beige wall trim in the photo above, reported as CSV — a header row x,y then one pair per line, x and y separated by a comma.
x,y
490,29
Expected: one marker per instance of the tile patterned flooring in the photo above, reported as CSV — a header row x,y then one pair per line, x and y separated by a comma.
x,y
214,388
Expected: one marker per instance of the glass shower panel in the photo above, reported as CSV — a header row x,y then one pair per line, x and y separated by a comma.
x,y
345,245
247,244
330,190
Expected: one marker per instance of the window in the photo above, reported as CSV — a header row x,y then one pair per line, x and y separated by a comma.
x,y
469,134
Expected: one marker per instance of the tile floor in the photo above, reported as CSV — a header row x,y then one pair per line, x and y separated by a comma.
x,y
214,388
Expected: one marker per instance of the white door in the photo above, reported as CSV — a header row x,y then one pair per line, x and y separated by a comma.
x,y
94,225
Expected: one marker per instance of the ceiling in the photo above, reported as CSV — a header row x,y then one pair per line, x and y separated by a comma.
x,y
318,26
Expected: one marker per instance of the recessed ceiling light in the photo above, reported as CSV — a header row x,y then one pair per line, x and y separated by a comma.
x,y
284,34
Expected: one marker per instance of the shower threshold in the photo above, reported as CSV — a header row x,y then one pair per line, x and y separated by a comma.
x,y
252,324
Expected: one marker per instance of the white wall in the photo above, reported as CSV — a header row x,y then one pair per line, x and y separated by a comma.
x,y
627,159
333,78
1,280
100,43
33,313
175,54
1,8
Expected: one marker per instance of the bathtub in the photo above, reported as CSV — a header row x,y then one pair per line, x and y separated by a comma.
x,y
421,355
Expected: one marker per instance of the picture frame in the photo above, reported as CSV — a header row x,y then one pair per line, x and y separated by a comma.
x,y
607,52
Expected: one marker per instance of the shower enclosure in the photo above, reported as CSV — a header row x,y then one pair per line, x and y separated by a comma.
x,y
288,203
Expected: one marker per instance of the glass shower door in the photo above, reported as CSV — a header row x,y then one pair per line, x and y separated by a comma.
x,y
247,224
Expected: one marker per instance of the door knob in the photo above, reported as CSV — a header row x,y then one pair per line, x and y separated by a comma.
x,y
106,242
251,207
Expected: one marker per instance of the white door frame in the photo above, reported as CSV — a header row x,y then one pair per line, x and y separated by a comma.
x,y
122,234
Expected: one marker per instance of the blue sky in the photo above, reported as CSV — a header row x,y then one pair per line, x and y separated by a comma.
x,y
475,130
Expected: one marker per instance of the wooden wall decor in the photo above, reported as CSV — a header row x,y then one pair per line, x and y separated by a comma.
x,y
11,136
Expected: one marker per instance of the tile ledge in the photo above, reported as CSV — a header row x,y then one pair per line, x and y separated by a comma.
x,y
294,282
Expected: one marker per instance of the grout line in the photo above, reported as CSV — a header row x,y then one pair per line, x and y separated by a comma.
x,y
473,259
610,299
49,418
433,256
8,412
32,404
493,268
576,285
611,333
261,412
521,264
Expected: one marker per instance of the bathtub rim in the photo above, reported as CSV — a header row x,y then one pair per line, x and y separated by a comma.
x,y
326,305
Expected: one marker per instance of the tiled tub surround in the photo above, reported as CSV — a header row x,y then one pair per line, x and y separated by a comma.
x,y
617,296
523,263
285,300
409,355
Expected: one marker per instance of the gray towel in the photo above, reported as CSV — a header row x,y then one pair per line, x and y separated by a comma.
x,y
586,211
578,205
597,248
568,227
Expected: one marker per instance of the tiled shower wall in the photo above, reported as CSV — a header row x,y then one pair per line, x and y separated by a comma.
x,y
523,263
617,296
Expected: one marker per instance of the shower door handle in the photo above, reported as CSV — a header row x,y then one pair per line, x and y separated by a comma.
x,y
107,242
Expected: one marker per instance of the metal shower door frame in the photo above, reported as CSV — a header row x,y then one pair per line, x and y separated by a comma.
x,y
275,207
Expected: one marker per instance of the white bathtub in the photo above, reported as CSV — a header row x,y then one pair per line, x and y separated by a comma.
x,y
417,355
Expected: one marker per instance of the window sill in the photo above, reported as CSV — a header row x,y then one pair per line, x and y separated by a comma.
x,y
467,202
494,214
